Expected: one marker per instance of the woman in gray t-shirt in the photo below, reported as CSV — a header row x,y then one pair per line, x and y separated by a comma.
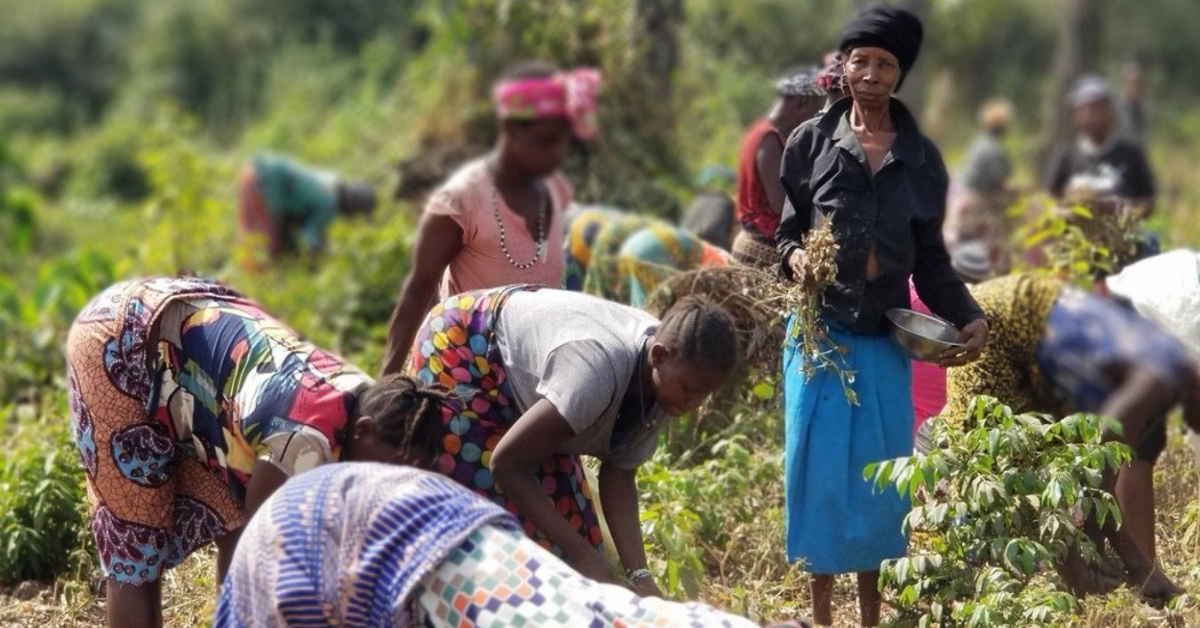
x,y
548,375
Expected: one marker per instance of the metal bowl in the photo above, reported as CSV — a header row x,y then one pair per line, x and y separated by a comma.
x,y
923,337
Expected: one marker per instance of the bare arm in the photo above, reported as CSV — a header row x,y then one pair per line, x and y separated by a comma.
x,y
618,490
767,160
533,438
439,239
265,479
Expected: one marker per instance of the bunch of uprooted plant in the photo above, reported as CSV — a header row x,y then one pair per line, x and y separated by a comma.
x,y
808,329
761,303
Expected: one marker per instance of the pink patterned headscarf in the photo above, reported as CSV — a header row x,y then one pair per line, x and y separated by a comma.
x,y
570,94
832,77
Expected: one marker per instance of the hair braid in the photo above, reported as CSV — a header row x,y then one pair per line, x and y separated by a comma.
x,y
407,411
702,332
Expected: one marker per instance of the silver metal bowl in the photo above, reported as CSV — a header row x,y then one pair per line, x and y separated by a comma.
x,y
923,337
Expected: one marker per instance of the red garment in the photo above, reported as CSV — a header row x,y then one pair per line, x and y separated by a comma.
x,y
928,380
753,207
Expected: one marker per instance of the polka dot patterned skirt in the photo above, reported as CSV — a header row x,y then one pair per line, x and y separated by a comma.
x,y
456,347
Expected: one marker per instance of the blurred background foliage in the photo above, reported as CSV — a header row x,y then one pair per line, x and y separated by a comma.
x,y
364,85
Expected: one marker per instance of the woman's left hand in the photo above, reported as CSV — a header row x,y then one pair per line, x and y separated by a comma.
x,y
973,336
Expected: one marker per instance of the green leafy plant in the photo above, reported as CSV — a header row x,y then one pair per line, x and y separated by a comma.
x,y
41,492
192,229
36,310
996,504
1073,241
689,511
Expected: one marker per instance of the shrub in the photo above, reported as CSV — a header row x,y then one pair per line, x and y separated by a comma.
x,y
36,310
105,164
999,497
692,514
41,493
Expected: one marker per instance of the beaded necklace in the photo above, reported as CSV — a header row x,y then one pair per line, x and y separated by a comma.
x,y
540,254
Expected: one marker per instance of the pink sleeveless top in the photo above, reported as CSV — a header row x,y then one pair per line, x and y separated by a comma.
x,y
467,197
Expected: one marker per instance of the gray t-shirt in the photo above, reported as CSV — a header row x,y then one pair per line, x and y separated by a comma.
x,y
578,352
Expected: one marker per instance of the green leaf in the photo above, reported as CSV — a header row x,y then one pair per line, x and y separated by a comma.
x,y
763,390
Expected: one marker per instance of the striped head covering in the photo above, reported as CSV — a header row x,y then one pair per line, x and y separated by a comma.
x,y
346,544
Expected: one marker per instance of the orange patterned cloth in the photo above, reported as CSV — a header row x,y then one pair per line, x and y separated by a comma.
x,y
177,388
110,379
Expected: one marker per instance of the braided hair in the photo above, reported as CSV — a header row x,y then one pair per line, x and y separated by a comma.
x,y
407,411
701,332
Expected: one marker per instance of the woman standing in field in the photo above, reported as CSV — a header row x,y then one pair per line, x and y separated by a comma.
x,y
498,219
548,375
866,167
190,406
760,198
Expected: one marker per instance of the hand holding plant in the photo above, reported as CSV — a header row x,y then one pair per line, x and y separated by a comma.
x,y
814,266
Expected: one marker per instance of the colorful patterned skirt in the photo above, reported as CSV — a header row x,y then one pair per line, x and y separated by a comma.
x,y
604,278
837,522
577,246
456,347
150,508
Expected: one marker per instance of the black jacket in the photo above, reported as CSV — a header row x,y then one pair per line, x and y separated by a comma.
x,y
899,212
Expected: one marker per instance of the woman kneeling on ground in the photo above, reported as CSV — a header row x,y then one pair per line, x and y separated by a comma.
x,y
360,544
548,375
190,406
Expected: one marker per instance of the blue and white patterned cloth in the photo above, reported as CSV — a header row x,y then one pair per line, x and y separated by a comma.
x,y
1085,334
345,544
365,544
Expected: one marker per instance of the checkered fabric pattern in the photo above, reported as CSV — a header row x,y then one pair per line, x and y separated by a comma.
x,y
498,577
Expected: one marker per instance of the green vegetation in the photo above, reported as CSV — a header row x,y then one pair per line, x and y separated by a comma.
x,y
123,125
997,504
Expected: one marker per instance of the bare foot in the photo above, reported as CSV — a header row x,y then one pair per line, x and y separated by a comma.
x,y
1085,581
1157,589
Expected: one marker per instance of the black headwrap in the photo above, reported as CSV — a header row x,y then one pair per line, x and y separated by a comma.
x,y
895,30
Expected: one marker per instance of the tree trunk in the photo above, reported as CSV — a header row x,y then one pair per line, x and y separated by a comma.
x,y
657,39
916,83
1079,45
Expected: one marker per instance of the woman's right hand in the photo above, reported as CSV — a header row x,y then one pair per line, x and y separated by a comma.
x,y
798,262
